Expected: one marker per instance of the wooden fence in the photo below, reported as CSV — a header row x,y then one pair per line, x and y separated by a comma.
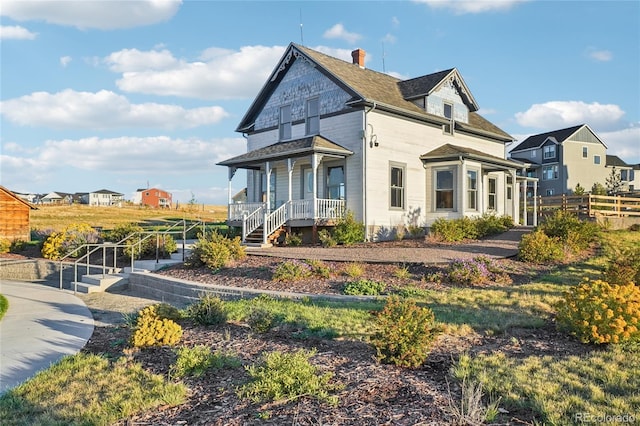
x,y
590,205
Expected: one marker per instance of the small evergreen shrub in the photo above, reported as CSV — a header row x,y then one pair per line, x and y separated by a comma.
x,y
165,310
141,248
478,271
291,270
287,376
453,230
599,312
17,246
538,247
364,288
348,231
353,269
208,310
326,239
196,361
402,272
124,232
67,241
151,330
261,319
405,333
447,230
575,234
215,251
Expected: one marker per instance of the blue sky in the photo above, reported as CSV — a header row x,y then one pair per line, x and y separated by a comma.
x,y
121,94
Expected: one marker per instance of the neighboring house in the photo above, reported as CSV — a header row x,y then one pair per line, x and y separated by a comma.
x,y
30,197
240,197
634,181
153,197
621,169
102,197
562,159
325,135
57,198
14,217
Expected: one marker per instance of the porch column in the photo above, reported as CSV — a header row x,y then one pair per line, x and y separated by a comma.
x,y
314,178
524,186
535,203
267,174
232,172
290,165
514,206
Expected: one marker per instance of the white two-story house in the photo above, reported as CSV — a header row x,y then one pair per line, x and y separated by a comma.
x,y
326,135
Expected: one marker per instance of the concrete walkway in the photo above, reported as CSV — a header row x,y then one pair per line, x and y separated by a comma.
x,y
42,325
500,246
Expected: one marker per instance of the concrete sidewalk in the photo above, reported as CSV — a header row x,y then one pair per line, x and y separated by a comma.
x,y
42,325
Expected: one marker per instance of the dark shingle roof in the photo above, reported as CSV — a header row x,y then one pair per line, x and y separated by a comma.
x,y
615,161
280,150
388,92
536,141
449,151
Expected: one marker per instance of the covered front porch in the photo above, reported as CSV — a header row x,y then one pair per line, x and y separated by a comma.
x,y
307,204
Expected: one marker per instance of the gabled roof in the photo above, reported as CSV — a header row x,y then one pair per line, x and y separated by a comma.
x,y
17,198
106,191
536,141
454,152
293,148
615,161
367,87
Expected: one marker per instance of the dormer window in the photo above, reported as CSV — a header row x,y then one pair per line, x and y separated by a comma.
x,y
313,117
285,122
549,151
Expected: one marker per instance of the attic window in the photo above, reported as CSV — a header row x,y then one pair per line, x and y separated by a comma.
x,y
285,122
313,117
448,111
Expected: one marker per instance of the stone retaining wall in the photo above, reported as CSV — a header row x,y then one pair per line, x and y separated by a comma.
x,y
42,271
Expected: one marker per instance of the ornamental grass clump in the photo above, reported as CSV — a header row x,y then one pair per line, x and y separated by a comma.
x,y
405,332
599,312
291,270
478,271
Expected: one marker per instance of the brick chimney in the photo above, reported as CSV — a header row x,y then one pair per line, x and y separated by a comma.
x,y
358,57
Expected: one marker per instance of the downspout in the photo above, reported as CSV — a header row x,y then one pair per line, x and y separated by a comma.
x,y
364,172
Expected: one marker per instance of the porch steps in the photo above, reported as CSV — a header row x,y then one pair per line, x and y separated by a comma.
x,y
100,283
256,238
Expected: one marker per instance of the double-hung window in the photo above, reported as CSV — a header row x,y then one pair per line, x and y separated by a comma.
x,y
492,193
285,122
445,189
397,186
472,190
448,113
549,151
585,152
335,183
313,117
596,159
550,172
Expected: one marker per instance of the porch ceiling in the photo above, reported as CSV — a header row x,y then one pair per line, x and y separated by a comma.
x,y
288,149
450,152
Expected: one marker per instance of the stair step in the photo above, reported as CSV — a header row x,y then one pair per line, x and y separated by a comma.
x,y
99,283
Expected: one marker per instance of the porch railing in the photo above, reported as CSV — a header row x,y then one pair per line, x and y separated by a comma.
x,y
254,215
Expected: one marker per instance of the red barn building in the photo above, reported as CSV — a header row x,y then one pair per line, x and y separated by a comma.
x,y
154,197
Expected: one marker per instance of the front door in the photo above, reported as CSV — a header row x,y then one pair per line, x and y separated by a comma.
x,y
307,183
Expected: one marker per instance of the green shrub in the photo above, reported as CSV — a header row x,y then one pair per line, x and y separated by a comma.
x,y
623,266
293,239
261,319
402,272
364,287
165,310
287,376
162,244
405,333
68,241
538,247
453,230
326,239
348,231
197,360
291,270
491,224
318,268
151,330
448,230
599,312
126,232
215,251
17,246
574,233
208,310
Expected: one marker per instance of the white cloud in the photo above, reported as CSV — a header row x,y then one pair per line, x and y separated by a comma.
x,y
133,60
65,60
624,143
102,110
559,114
338,31
220,74
472,6
486,111
389,38
344,54
599,55
100,14
395,21
15,32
